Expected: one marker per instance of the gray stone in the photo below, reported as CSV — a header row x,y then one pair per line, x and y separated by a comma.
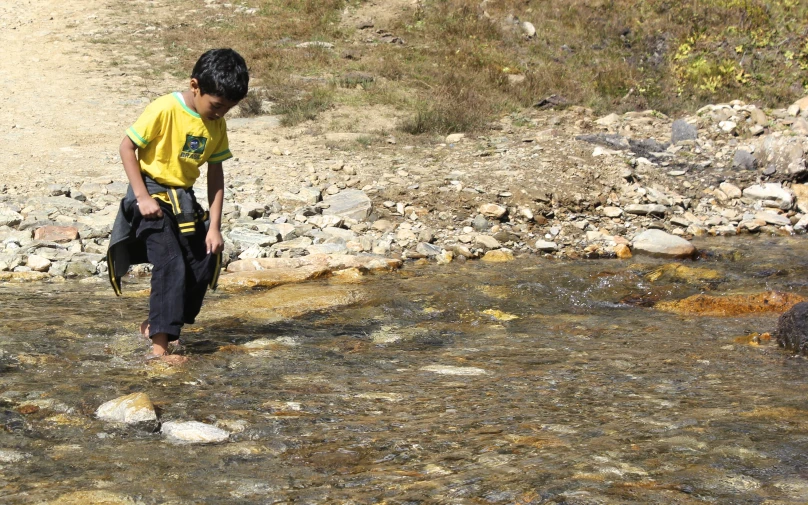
x,y
646,209
243,237
59,204
758,117
117,188
660,243
612,211
324,221
792,329
771,195
305,196
480,223
773,218
80,269
9,217
744,160
285,231
780,154
682,130
193,432
383,226
327,249
487,242
348,204
252,209
295,243
340,233
428,249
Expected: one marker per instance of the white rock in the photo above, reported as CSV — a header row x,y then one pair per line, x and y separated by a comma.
x,y
659,243
731,190
193,432
727,126
492,210
38,263
529,29
612,211
454,370
133,408
454,138
609,120
487,242
546,246
771,194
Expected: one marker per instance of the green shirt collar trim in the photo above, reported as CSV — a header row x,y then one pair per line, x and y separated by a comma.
x,y
178,97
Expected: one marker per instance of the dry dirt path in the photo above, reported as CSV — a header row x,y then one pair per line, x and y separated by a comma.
x,y
63,112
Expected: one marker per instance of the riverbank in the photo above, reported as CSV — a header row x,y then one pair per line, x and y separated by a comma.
x,y
559,183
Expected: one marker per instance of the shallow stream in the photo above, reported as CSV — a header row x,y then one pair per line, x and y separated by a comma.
x,y
534,381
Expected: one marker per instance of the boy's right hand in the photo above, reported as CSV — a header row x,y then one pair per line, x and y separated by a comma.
x,y
149,208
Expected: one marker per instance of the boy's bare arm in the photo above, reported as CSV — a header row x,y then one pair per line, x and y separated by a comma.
x,y
214,239
148,206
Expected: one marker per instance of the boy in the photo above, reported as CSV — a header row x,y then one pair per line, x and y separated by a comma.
x,y
159,220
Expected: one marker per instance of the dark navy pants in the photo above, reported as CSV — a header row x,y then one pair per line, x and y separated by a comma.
x,y
181,274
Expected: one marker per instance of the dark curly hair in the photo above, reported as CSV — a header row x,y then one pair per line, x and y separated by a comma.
x,y
222,72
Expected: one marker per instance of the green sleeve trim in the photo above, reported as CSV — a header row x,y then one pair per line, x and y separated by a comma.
x,y
224,155
137,139
179,99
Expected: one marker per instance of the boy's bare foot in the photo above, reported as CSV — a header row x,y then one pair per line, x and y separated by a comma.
x,y
159,344
144,328
168,359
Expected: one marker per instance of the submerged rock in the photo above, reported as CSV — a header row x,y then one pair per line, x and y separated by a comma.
x,y
129,409
193,432
95,497
732,305
679,272
792,329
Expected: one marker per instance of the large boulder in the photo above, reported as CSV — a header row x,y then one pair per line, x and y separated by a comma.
x,y
792,329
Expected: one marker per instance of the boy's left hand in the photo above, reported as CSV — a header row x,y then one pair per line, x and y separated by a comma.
x,y
214,241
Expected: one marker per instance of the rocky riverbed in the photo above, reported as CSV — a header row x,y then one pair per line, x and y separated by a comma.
x,y
557,183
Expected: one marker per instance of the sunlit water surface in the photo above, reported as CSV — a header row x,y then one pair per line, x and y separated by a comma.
x,y
535,381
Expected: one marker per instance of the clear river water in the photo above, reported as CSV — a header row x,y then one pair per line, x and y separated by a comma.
x,y
529,382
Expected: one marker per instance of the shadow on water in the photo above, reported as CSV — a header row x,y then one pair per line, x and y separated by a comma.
x,y
529,382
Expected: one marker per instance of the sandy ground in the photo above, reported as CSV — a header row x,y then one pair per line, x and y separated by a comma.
x,y
63,111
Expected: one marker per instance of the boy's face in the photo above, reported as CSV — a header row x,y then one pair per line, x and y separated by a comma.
x,y
210,107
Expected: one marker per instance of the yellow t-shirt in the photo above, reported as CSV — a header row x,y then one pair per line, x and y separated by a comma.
x,y
173,141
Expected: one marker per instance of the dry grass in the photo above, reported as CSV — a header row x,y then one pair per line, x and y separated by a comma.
x,y
453,72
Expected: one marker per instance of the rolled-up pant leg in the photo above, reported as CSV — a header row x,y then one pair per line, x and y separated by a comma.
x,y
199,270
167,298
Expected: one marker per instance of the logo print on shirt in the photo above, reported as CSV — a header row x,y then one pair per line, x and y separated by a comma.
x,y
194,147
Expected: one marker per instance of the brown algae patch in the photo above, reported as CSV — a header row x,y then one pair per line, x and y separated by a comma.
x,y
732,305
